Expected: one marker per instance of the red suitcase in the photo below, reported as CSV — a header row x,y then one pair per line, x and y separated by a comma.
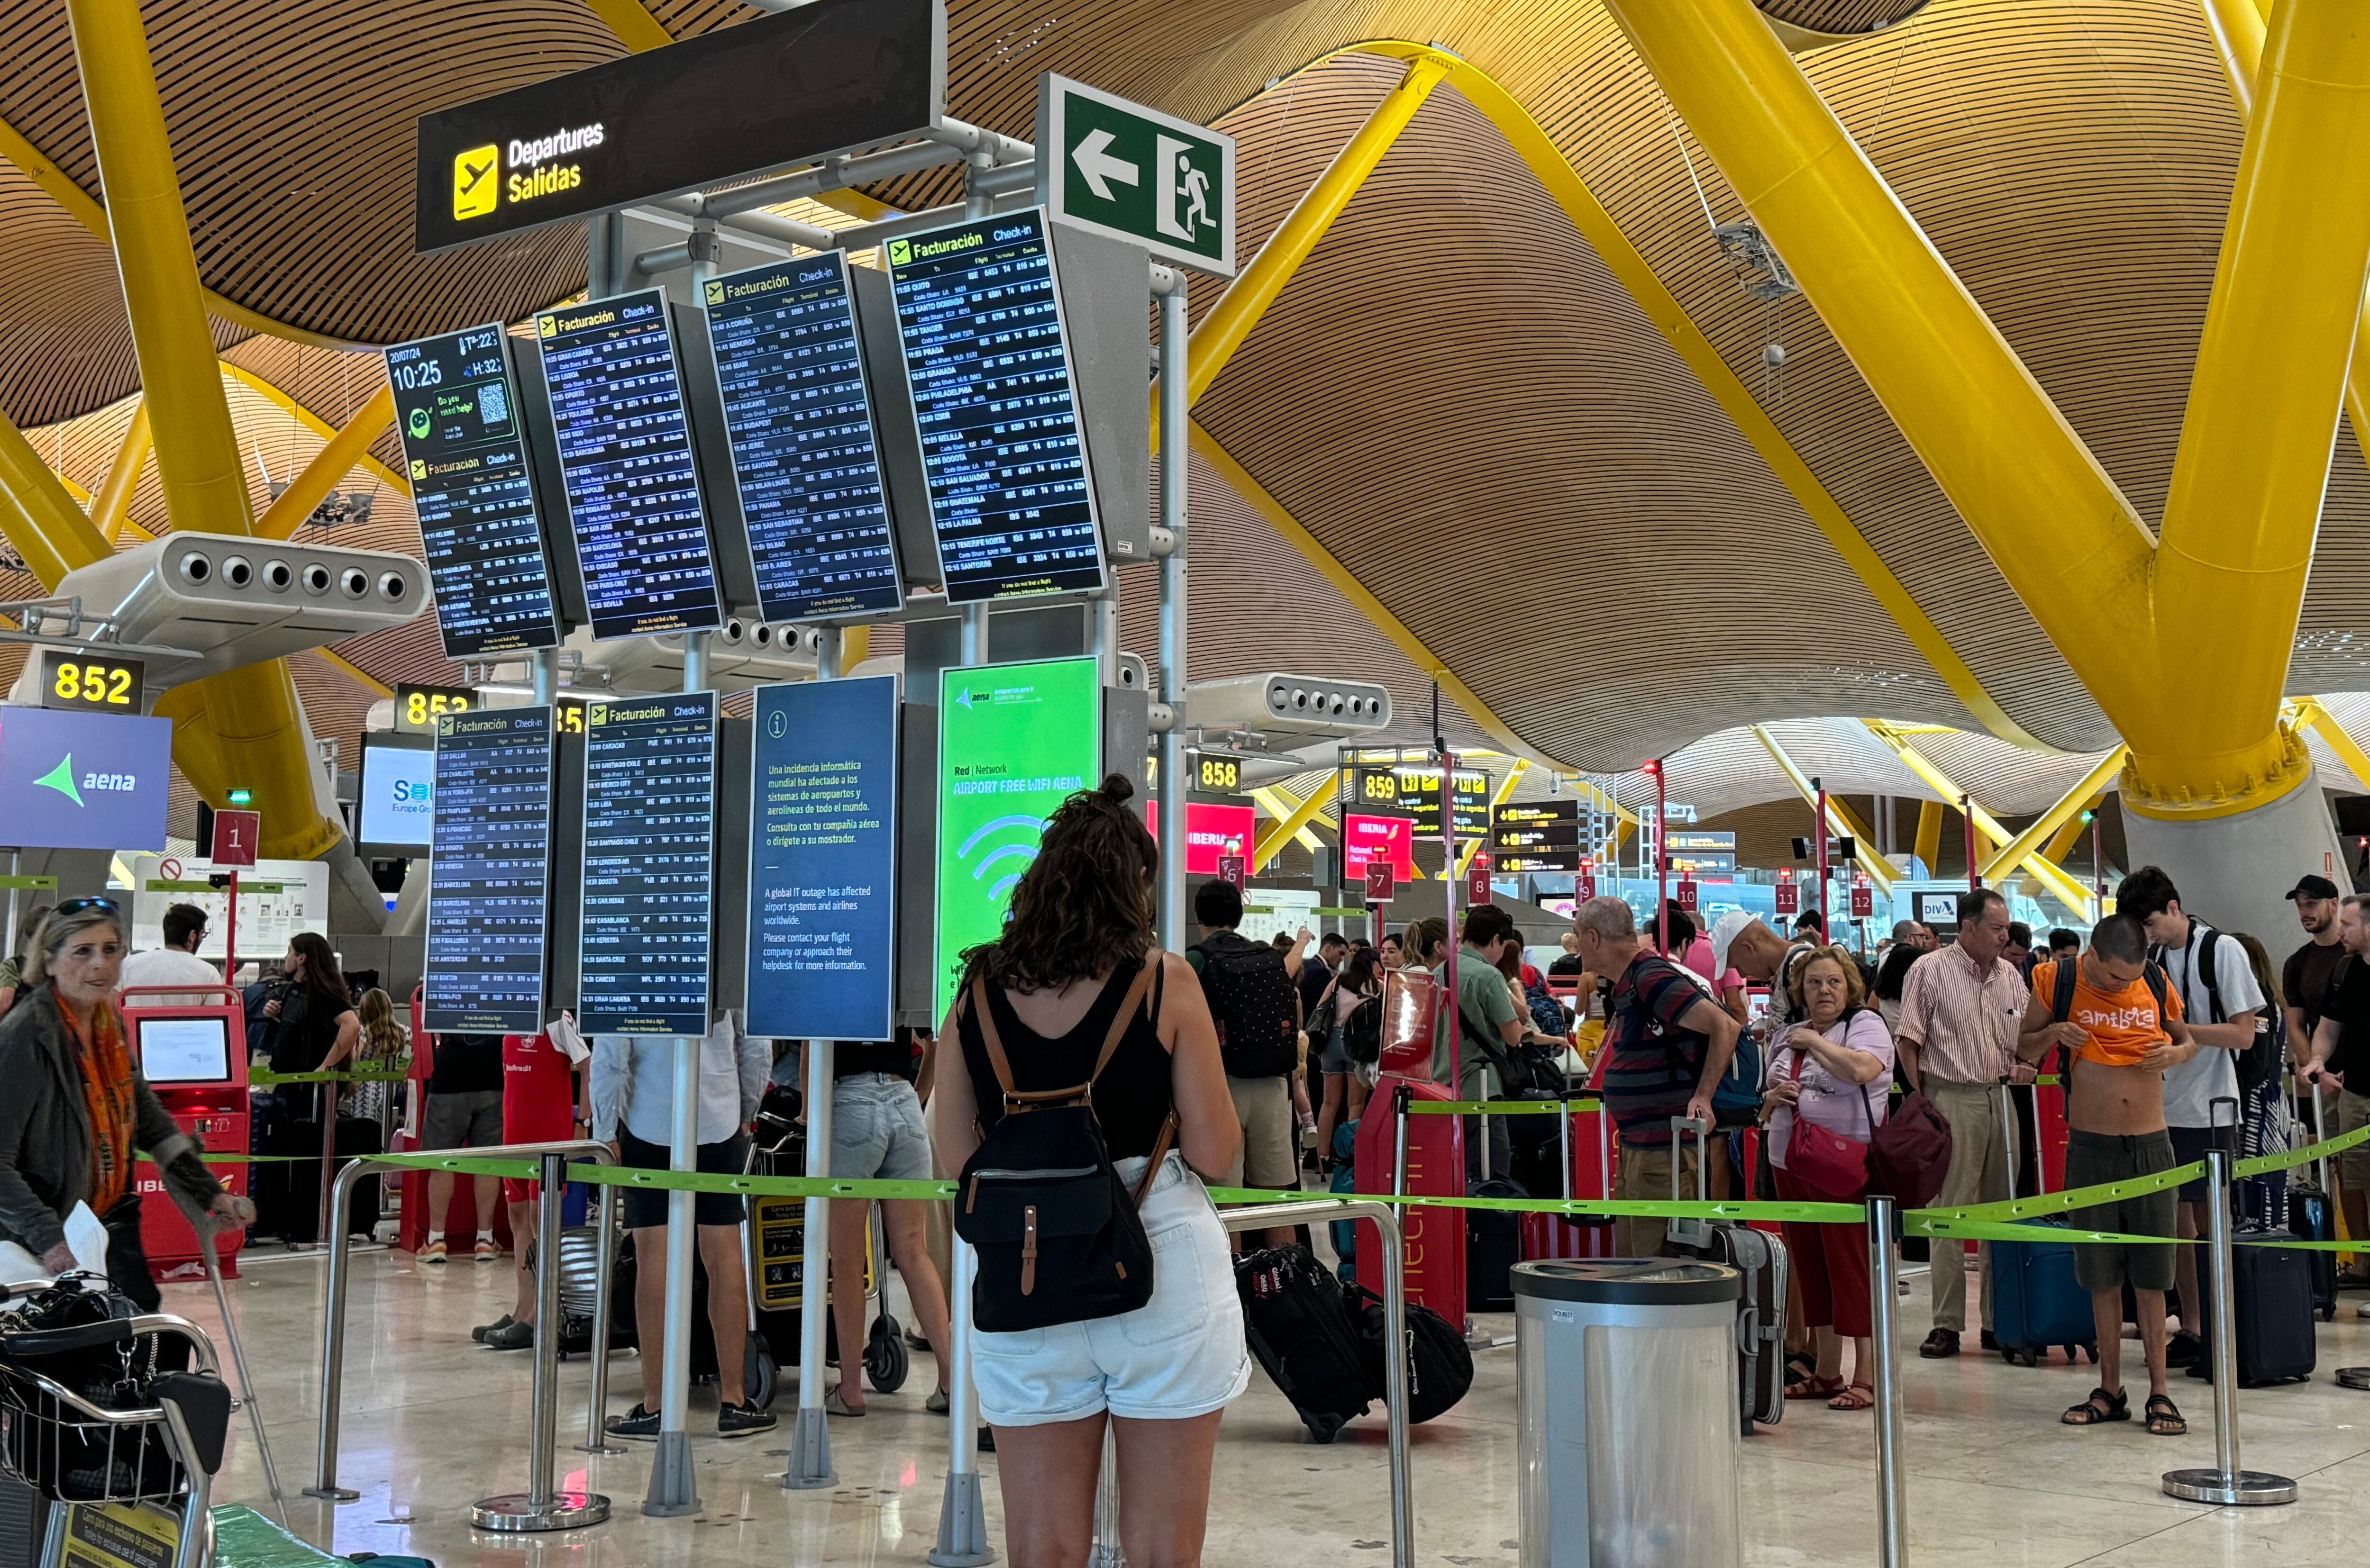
x,y
1588,1173
1435,1168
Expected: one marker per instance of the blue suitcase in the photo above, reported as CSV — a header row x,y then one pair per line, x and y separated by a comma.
x,y
2037,1302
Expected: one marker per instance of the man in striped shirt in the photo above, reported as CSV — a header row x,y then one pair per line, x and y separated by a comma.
x,y
1668,1041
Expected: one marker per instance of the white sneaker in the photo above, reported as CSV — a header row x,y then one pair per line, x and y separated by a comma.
x,y
2361,1310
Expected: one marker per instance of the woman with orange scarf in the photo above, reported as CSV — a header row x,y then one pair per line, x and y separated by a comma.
x,y
75,1111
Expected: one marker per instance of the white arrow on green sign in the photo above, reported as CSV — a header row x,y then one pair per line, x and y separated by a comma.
x,y
1160,182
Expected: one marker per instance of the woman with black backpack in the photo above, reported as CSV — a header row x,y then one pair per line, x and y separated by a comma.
x,y
1085,1107
1359,982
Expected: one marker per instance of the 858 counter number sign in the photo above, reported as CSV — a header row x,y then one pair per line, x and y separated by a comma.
x,y
91,683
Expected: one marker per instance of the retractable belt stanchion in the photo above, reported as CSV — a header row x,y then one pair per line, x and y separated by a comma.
x,y
333,1319
2228,1482
674,1491
1106,1553
1891,1490
810,1467
962,1514
1385,1216
543,1507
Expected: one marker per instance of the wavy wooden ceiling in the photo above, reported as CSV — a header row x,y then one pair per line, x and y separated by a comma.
x,y
1637,578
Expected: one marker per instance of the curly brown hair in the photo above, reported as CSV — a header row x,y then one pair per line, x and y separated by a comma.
x,y
1855,993
1085,905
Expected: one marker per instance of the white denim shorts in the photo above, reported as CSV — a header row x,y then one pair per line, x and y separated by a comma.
x,y
1179,1356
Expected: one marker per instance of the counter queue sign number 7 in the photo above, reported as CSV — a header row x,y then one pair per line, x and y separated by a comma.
x,y
1378,882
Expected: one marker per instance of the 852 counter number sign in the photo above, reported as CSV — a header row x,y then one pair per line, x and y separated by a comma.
x,y
416,708
91,683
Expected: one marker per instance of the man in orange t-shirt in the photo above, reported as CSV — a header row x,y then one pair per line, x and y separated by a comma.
x,y
2123,1030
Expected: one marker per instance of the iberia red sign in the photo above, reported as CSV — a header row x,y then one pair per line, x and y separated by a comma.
x,y
1389,839
1211,831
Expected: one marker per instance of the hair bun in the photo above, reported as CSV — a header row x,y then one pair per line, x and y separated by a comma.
x,y
1118,789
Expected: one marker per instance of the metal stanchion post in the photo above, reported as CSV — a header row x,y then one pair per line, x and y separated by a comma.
x,y
962,1514
810,1467
604,1269
1892,1485
674,1491
544,1507
333,1345
2228,1483
1106,1553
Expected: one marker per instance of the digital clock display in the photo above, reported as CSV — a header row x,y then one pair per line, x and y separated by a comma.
x,y
457,414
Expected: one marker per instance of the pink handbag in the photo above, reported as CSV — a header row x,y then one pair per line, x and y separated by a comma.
x,y
1823,1159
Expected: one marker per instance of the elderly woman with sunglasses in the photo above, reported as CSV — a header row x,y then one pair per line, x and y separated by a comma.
x,y
75,1110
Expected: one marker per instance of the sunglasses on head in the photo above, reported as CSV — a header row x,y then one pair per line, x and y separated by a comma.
x,y
76,906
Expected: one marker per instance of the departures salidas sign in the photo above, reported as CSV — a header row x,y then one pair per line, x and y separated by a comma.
x,y
1164,183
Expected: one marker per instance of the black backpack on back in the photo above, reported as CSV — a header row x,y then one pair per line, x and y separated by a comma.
x,y
1059,1235
1362,1032
2258,1061
1255,1003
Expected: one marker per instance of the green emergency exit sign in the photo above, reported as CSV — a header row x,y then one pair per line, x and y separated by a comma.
x,y
1164,183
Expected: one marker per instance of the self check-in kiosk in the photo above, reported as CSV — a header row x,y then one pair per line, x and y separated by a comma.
x,y
190,1042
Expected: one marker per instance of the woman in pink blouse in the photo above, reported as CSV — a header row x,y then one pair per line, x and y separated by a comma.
x,y
1833,1070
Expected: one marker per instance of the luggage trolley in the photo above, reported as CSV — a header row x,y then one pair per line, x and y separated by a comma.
x,y
130,1483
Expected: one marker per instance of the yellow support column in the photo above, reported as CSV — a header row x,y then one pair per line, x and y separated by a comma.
x,y
1841,818
1247,298
1281,833
39,517
331,464
1929,832
256,724
111,506
1989,833
2011,857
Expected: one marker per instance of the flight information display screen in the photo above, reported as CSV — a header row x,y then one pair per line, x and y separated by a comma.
x,y
980,316
804,457
626,461
458,415
649,864
489,872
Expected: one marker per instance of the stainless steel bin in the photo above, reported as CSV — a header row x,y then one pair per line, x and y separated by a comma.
x,y
1626,1412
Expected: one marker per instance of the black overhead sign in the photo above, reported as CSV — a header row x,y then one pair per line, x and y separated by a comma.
x,y
832,76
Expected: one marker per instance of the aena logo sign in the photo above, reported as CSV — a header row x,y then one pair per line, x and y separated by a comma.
x,y
61,779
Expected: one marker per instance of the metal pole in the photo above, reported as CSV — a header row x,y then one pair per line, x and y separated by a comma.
x,y
543,673
1819,845
1173,440
1661,862
1967,819
830,645
672,1490
544,1507
605,1259
810,1467
1394,1334
962,1514
2228,1483
1449,997
333,1320
1106,1553
1892,1485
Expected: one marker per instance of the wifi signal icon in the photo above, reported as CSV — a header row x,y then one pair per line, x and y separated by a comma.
x,y
1012,856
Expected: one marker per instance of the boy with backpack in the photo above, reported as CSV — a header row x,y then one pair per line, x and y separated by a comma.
x,y
2120,1019
2219,996
1255,999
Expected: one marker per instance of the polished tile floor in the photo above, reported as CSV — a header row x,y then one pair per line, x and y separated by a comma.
x,y
432,1422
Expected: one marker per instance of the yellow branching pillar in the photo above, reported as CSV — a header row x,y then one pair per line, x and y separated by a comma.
x,y
2183,642
258,737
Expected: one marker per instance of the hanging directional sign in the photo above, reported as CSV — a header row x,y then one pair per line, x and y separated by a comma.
x,y
1166,184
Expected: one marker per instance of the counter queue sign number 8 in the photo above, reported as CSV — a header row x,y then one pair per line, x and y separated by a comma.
x,y
92,682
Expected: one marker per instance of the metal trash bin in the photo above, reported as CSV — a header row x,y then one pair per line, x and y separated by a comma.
x,y
1626,1412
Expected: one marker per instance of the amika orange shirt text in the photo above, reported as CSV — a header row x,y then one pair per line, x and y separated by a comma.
x,y
2123,1024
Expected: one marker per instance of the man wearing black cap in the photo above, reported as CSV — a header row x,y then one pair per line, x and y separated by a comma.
x,y
2311,969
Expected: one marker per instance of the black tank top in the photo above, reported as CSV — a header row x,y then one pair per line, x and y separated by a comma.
x,y
1132,1098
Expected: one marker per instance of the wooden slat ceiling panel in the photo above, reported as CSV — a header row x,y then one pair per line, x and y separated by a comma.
x,y
1459,400
411,652
1841,16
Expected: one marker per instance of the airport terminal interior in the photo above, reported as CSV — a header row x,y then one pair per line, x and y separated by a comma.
x,y
574,572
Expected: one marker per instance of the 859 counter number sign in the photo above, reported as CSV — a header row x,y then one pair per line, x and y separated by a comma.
x,y
90,683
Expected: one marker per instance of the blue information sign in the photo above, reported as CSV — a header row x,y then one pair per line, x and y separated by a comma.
x,y
77,781
823,860
650,866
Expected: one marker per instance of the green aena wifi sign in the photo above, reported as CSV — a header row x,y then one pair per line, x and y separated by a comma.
x,y
1014,740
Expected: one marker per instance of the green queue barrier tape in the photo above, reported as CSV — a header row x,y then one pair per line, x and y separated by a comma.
x,y
264,1078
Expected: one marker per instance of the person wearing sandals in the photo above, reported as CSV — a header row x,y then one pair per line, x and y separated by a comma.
x,y
2124,1031
1078,991
1822,1073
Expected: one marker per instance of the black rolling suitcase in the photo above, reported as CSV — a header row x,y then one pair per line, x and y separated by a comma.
x,y
2312,1218
290,1203
1301,1328
2273,1290
1493,1242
